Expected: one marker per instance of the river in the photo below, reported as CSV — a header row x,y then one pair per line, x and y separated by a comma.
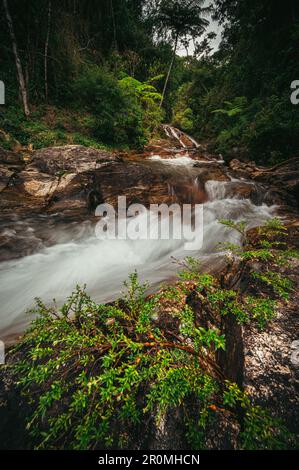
x,y
52,272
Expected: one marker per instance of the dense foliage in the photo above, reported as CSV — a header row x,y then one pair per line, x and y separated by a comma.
x,y
86,79
94,375
94,61
240,96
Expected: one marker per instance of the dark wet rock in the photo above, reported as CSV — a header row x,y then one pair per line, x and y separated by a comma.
x,y
282,181
73,159
48,172
246,190
66,184
243,190
211,172
73,180
223,432
245,169
10,164
5,176
11,159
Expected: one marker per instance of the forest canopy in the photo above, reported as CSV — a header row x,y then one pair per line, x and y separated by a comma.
x,y
108,73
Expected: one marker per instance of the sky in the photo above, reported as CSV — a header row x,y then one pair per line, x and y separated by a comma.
x,y
213,27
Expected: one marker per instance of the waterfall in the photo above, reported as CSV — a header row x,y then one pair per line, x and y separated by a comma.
x,y
230,189
173,132
183,160
104,264
216,189
196,144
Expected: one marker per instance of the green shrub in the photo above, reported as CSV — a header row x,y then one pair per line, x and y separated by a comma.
x,y
92,373
126,111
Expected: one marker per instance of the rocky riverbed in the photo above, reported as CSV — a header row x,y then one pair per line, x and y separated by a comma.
x,y
48,199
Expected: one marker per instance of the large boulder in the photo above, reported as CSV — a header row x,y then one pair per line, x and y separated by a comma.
x,y
281,181
11,159
10,164
48,171
63,185
72,180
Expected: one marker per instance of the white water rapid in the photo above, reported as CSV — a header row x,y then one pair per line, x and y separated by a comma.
x,y
103,265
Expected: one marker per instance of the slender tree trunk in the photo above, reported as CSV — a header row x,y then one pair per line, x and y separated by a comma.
x,y
169,70
21,79
46,51
115,46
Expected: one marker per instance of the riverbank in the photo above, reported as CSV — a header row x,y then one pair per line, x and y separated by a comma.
x,y
48,203
258,358
48,246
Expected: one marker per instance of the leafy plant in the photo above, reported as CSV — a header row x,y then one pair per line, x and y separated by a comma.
x,y
281,285
234,108
260,248
260,429
92,372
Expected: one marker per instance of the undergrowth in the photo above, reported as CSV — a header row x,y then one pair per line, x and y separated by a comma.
x,y
105,376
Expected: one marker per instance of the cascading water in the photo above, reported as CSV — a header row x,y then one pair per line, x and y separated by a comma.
x,y
184,160
103,265
177,135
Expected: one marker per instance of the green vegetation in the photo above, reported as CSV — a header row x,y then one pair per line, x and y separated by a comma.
x,y
239,97
86,81
111,368
106,74
114,63
47,126
260,429
107,112
93,375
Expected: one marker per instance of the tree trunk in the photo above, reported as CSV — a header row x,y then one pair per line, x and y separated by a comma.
x,y
115,46
169,70
46,51
20,74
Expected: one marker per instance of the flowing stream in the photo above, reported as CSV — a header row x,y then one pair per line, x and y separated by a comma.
x,y
103,265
